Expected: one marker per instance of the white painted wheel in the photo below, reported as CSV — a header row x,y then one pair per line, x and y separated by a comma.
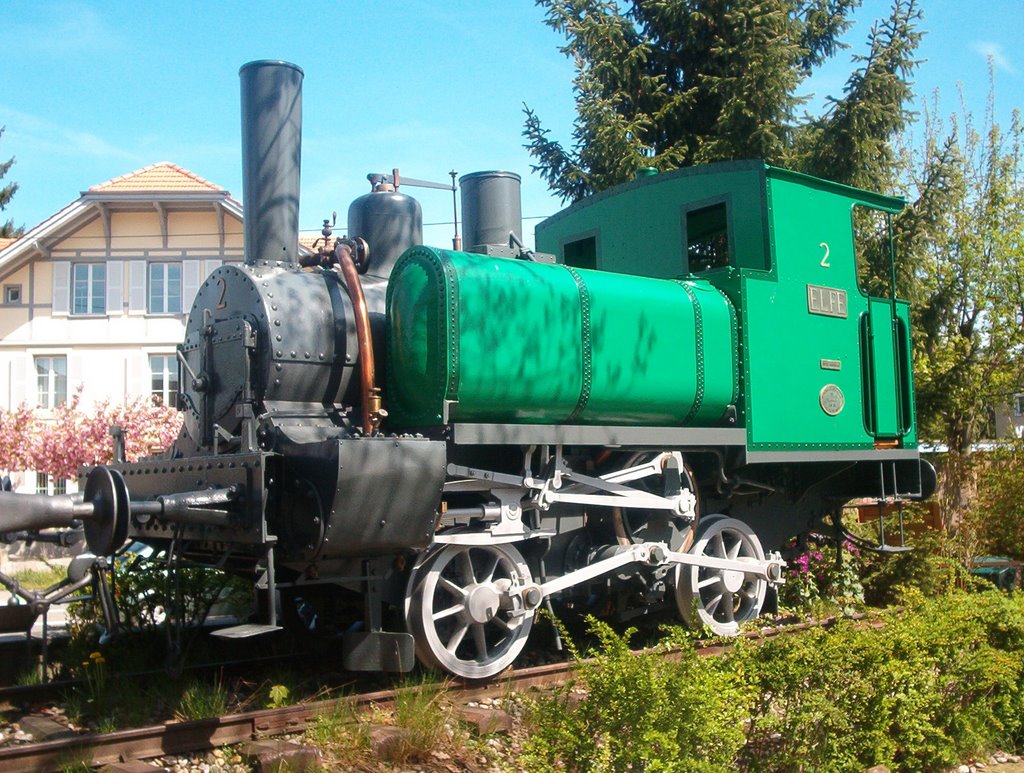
x,y
462,611
721,599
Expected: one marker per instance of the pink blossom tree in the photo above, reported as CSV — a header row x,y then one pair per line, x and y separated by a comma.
x,y
58,446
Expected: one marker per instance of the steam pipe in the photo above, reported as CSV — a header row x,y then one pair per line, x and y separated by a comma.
x,y
371,400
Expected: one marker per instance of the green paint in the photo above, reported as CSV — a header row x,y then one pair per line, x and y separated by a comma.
x,y
536,343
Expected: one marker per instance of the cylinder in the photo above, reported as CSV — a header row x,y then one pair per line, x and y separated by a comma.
x,y
390,222
271,150
491,210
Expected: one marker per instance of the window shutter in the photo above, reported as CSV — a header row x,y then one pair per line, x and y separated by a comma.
x,y
61,286
210,266
23,390
115,287
137,375
190,281
137,286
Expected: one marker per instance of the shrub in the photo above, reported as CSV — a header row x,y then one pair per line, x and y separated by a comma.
x,y
997,516
821,577
935,684
640,711
921,688
933,568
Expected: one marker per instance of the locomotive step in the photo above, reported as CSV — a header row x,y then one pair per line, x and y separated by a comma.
x,y
245,631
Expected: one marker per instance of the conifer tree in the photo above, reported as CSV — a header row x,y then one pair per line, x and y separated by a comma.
x,y
6,193
670,83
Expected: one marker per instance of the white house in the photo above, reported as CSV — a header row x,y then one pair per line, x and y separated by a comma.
x,y
97,295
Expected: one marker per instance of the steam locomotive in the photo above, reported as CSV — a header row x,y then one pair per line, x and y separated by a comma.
x,y
415,449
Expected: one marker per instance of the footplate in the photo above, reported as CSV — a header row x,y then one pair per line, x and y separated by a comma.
x,y
378,651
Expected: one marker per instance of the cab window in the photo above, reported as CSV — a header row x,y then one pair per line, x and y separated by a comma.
x,y
581,253
872,246
707,238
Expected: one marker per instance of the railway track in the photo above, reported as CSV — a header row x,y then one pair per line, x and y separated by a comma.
x,y
178,738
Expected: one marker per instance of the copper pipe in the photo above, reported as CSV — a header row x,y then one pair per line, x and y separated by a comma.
x,y
620,527
372,413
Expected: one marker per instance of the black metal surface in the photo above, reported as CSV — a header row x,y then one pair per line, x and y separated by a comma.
x,y
19,512
390,222
491,210
378,651
271,159
568,434
379,495
147,481
291,333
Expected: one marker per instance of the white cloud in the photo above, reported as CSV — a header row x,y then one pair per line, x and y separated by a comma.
x,y
30,132
994,51
66,28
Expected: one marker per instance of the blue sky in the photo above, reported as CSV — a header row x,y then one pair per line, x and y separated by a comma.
x,y
95,89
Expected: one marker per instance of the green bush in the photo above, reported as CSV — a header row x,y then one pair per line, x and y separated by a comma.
x,y
932,568
640,712
997,515
822,578
921,688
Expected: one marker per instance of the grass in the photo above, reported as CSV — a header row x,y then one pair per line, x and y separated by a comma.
x,y
40,579
423,711
201,700
344,740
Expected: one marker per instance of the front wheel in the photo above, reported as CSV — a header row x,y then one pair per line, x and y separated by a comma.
x,y
463,609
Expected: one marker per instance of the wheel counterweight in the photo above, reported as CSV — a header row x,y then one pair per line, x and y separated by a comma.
x,y
464,610
721,599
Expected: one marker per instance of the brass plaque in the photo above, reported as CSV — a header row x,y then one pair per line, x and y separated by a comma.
x,y
826,301
831,399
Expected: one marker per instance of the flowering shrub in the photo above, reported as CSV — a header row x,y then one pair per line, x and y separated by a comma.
x,y
58,446
18,429
819,574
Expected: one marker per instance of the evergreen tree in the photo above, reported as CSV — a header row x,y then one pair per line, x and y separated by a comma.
x,y
669,83
6,193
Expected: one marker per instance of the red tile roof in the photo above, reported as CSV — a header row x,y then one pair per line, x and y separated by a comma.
x,y
163,176
7,242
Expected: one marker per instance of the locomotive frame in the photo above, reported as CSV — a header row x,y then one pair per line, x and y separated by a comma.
x,y
631,465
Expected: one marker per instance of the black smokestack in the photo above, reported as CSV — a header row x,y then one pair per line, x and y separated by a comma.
x,y
271,152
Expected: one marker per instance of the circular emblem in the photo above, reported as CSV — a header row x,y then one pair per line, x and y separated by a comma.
x,y
831,399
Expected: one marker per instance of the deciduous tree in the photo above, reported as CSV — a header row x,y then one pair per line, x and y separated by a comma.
x,y
60,443
963,238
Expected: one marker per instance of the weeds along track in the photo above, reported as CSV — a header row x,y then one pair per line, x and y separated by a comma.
x,y
175,737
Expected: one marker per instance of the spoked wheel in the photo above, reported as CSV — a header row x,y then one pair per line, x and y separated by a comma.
x,y
460,611
721,599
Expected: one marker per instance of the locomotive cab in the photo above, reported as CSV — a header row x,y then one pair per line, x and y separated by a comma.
x,y
824,357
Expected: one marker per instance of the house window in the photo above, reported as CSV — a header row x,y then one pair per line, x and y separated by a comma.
x,y
52,380
165,288
12,294
89,288
47,484
1018,405
164,370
